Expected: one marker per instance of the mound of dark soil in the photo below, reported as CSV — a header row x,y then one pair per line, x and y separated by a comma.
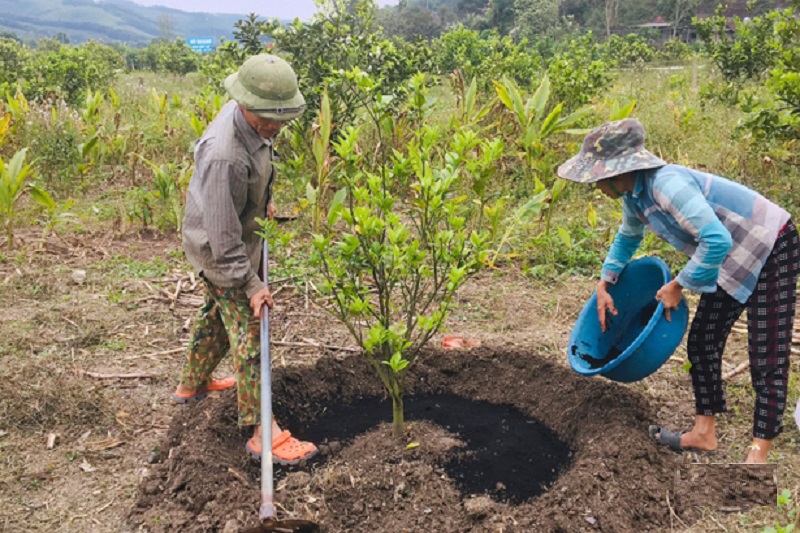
x,y
593,467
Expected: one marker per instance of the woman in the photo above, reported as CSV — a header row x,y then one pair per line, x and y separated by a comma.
x,y
743,254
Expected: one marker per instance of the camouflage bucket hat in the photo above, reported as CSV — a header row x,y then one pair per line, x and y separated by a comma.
x,y
612,149
266,85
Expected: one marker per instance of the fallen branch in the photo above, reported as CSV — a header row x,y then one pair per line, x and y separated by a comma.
x,y
316,345
176,294
238,475
741,367
98,375
155,354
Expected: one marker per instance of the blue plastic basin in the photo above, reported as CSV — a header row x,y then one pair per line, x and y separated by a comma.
x,y
639,339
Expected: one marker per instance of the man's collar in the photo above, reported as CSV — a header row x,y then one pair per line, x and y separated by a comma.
x,y
250,137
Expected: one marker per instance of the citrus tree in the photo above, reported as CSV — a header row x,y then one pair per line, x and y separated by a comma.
x,y
399,244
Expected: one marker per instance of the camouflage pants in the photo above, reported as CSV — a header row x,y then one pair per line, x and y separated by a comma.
x,y
226,322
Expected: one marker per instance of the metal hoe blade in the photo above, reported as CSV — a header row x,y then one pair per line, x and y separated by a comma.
x,y
285,526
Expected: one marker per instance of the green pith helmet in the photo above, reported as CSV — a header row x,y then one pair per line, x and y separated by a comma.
x,y
266,85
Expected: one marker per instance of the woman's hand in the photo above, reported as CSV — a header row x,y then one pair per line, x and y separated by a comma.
x,y
670,295
271,210
604,303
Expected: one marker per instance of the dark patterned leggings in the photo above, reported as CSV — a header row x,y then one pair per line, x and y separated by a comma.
x,y
770,318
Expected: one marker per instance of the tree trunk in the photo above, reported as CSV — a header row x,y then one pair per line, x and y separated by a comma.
x,y
398,421
612,8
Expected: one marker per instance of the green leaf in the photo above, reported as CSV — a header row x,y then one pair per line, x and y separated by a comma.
x,y
618,113
43,198
565,237
396,363
540,97
87,147
558,189
549,124
337,204
311,193
412,445
532,207
591,215
503,95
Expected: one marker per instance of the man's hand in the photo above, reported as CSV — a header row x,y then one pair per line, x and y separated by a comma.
x,y
259,299
271,210
670,295
604,303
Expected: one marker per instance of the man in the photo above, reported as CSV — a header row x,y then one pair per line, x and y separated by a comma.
x,y
230,188
743,254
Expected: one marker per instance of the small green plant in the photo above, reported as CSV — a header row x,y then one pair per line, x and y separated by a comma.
x,y
14,177
788,507
54,214
171,181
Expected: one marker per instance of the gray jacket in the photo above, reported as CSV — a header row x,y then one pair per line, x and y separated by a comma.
x,y
230,188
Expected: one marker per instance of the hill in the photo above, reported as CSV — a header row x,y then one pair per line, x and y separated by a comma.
x,y
108,20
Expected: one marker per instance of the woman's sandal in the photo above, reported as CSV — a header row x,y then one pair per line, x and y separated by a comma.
x,y
286,450
672,439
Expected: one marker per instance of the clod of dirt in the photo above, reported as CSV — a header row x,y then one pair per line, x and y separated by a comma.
x,y
79,277
231,526
478,507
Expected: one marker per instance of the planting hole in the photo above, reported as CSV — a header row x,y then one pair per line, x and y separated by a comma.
x,y
507,455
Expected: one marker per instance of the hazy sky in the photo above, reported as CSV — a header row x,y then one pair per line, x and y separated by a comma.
x,y
284,9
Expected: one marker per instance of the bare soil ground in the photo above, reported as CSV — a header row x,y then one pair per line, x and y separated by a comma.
x,y
86,424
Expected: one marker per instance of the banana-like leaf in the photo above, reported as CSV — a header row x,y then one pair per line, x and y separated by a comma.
x,y
566,238
532,207
15,171
618,113
503,95
551,122
43,198
565,123
471,97
86,148
558,188
540,97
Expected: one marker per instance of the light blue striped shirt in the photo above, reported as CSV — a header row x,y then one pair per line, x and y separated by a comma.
x,y
726,229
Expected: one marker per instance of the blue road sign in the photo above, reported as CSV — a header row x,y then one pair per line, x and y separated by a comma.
x,y
201,44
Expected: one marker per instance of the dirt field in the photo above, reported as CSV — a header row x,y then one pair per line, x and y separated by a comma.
x,y
89,440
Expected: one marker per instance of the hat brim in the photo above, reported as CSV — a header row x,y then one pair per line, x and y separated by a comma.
x,y
585,169
282,111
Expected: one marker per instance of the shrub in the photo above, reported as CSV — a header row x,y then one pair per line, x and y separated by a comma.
x,y
748,53
68,71
674,50
174,57
629,50
487,57
579,73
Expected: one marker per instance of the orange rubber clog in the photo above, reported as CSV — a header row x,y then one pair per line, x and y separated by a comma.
x,y
194,395
286,450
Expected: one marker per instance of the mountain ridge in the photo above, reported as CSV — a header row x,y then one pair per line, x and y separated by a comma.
x,y
110,21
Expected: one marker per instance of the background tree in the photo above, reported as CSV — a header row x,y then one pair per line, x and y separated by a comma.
x,y
678,11
409,22
536,18
166,27
248,34
611,12
500,16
